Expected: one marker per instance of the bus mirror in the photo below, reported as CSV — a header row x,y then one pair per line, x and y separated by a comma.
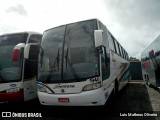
x,y
98,38
16,51
27,49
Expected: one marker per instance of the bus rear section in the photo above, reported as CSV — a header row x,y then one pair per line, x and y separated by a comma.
x,y
71,61
13,69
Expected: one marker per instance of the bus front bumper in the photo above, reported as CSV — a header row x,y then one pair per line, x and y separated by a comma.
x,y
86,98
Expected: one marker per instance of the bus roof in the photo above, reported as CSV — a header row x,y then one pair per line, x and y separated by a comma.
x,y
29,32
71,23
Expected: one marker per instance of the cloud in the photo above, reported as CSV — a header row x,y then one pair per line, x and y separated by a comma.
x,y
134,12
138,22
18,9
134,23
7,29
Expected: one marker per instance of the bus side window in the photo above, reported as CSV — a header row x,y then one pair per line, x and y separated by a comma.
x,y
104,64
125,57
114,44
117,47
120,50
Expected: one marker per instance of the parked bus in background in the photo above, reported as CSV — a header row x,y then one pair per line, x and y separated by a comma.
x,y
80,64
17,75
150,58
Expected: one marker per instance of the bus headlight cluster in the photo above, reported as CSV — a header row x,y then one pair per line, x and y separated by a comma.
x,y
92,86
13,90
41,88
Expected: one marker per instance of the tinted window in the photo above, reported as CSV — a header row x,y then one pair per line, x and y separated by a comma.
x,y
69,53
123,52
14,39
120,49
120,52
117,48
112,45
105,65
11,70
125,55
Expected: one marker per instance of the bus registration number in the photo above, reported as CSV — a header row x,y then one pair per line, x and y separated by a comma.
x,y
64,100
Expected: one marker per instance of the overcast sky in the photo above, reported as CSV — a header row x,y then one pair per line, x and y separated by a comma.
x,y
134,23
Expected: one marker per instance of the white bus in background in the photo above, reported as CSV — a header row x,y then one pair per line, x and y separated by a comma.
x,y
150,61
17,75
80,64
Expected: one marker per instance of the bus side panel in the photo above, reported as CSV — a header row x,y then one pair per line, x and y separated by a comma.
x,y
30,89
148,72
10,92
120,69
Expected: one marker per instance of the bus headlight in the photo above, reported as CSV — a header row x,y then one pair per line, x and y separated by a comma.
x,y
92,86
41,89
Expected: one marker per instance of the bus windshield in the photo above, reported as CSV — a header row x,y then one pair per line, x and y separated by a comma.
x,y
68,53
10,70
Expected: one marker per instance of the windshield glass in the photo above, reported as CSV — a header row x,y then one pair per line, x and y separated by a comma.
x,y
10,70
68,53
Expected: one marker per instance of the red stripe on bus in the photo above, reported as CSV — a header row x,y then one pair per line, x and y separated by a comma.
x,y
146,64
13,96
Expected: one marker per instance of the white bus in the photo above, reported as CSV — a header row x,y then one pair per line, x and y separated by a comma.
x,y
80,64
150,61
17,75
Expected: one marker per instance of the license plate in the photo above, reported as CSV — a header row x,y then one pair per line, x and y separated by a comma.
x,y
64,100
